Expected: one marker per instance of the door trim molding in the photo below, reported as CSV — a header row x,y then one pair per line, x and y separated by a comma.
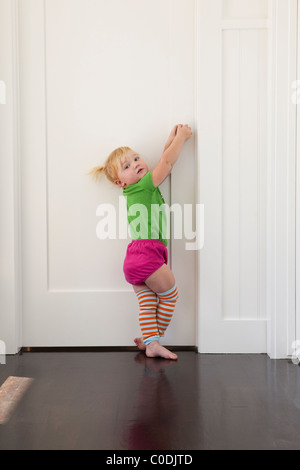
x,y
281,276
298,186
11,288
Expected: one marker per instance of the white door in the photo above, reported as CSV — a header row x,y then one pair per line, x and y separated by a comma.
x,y
232,120
95,75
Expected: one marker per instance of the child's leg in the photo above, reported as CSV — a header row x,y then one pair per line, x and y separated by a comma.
x,y
162,282
157,294
148,316
165,308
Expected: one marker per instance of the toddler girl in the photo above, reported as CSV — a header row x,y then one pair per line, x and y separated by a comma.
x,y
145,265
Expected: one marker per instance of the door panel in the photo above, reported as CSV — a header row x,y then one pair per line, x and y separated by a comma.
x,y
232,116
94,76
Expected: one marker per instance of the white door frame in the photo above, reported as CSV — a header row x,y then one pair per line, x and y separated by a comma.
x,y
281,286
297,96
10,234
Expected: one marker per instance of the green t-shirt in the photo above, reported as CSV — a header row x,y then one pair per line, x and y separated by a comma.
x,y
146,211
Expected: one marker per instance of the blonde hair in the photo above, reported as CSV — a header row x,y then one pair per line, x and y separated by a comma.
x,y
111,165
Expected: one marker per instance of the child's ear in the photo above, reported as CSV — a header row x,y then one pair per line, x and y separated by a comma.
x,y
119,183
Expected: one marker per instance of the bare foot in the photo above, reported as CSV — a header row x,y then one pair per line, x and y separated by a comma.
x,y
155,349
140,344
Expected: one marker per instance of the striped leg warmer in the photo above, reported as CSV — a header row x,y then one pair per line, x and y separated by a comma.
x,y
165,309
147,316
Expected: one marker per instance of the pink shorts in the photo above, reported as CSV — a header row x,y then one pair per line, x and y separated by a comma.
x,y
143,258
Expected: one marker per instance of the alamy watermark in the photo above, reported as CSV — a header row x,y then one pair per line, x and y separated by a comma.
x,y
2,352
114,224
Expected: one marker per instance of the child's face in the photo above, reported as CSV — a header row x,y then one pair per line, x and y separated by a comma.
x,y
132,170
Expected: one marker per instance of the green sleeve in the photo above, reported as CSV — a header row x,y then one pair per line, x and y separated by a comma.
x,y
147,182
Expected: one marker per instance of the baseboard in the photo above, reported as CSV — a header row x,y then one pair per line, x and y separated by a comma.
x,y
32,349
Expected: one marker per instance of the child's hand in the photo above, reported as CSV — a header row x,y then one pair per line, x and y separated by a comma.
x,y
171,153
184,131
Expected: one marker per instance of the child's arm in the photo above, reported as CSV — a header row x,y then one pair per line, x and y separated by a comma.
x,y
171,137
179,135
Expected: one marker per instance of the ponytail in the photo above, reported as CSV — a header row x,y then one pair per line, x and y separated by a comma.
x,y
97,171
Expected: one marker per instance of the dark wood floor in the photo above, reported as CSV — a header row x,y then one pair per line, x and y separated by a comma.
x,y
124,401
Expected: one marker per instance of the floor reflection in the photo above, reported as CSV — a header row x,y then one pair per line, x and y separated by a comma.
x,y
155,413
11,392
